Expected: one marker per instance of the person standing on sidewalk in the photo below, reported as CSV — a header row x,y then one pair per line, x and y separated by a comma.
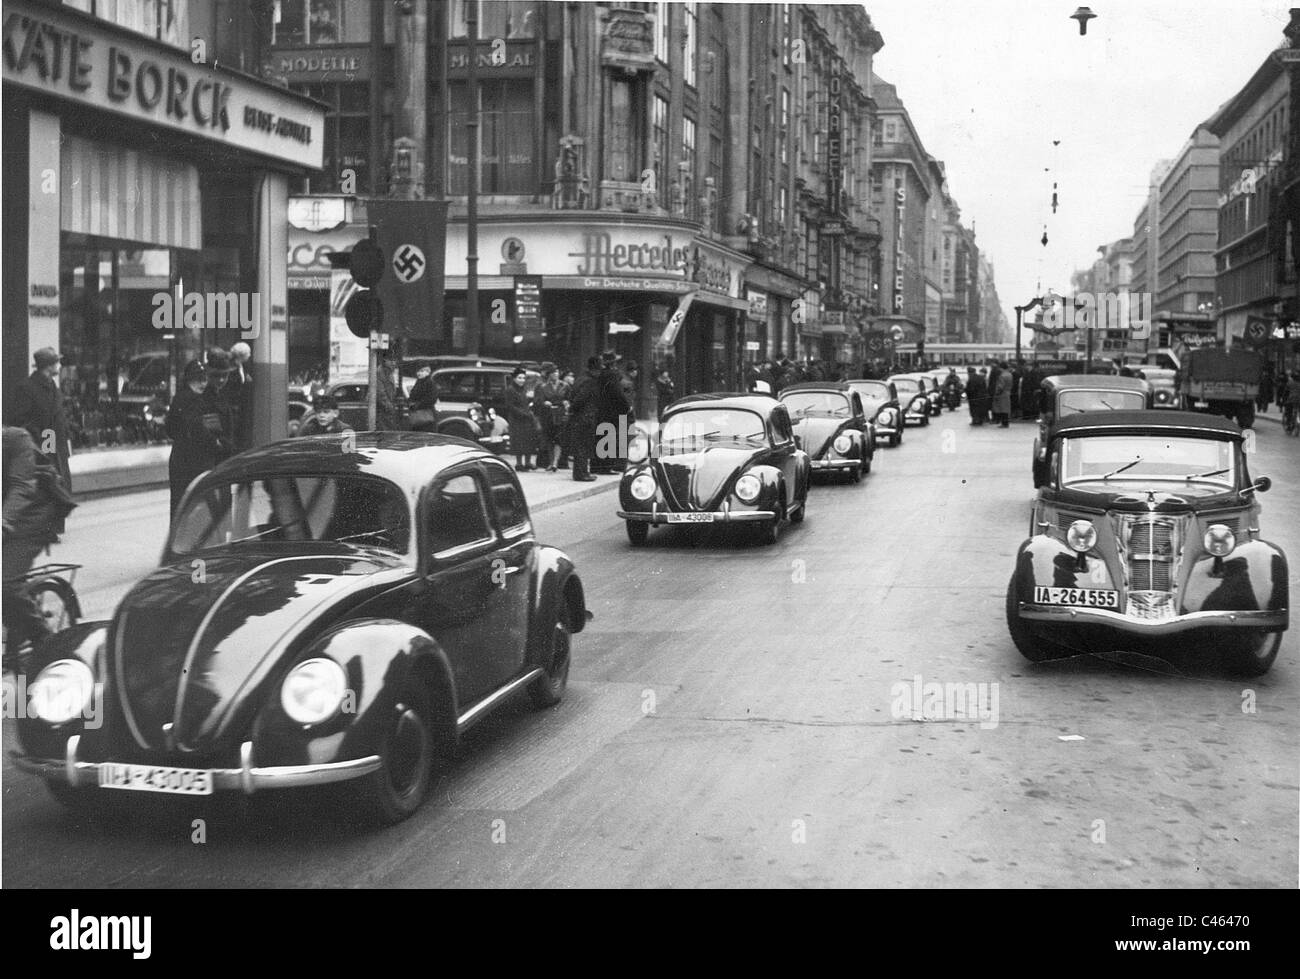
x,y
583,410
1002,396
38,407
975,396
548,408
567,383
199,425
239,394
665,391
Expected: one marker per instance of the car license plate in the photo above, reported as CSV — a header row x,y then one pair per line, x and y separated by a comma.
x,y
1086,597
690,518
1200,404
155,778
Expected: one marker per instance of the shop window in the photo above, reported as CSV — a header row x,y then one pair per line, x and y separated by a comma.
x,y
320,22
505,134
496,18
345,136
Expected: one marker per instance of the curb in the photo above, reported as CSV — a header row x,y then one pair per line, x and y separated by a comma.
x,y
601,487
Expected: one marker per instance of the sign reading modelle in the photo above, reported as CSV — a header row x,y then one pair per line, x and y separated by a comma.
x,y
57,54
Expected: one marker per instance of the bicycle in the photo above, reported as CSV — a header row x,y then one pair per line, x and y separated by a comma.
x,y
1290,424
55,597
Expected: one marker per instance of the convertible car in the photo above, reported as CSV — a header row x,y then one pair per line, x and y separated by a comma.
x,y
333,609
880,403
716,458
1064,395
1147,528
831,426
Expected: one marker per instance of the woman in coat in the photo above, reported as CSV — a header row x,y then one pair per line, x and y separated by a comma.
x,y
1002,396
199,423
523,426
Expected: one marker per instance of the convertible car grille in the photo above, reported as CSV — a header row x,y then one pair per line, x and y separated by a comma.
x,y
1150,546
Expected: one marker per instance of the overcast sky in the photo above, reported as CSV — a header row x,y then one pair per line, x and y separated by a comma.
x,y
990,84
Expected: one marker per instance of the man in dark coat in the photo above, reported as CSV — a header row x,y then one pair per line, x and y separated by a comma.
x,y
611,406
584,407
38,407
1002,396
976,391
665,391
199,423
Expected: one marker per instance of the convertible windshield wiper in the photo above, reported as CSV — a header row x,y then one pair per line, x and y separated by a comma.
x,y
1107,403
263,533
368,533
1126,468
1216,472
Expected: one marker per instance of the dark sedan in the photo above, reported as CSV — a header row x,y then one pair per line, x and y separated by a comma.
x,y
880,403
333,609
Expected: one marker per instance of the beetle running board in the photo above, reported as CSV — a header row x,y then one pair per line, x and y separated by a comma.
x,y
477,712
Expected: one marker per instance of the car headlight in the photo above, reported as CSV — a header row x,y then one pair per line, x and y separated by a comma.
x,y
313,691
643,487
748,487
919,403
639,449
61,691
842,444
1082,536
1219,540
886,416
1162,396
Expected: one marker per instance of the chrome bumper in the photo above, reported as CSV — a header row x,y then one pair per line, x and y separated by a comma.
x,y
715,516
247,778
1067,615
836,463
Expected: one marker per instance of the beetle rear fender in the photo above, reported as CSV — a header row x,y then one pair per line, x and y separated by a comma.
x,y
377,656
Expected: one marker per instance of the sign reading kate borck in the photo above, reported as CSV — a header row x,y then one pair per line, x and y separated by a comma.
x,y
60,52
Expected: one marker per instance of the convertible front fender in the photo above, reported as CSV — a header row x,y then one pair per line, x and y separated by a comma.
x,y
1046,561
1254,577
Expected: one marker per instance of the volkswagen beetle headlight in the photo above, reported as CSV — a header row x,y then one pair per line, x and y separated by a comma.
x,y
920,403
643,487
886,416
1082,536
61,691
1219,540
748,487
842,444
313,691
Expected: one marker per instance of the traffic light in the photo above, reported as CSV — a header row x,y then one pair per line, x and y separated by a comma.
x,y
364,312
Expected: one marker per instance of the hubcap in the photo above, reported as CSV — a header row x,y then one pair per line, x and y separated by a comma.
x,y
406,750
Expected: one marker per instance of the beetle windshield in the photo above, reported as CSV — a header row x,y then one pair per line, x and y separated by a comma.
x,y
1193,465
699,429
906,387
874,392
343,509
1073,402
801,404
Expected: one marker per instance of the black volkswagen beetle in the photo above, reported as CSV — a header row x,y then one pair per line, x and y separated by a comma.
x,y
333,609
912,396
880,403
1147,527
716,458
831,426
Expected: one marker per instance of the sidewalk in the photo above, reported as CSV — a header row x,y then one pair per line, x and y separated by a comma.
x,y
118,539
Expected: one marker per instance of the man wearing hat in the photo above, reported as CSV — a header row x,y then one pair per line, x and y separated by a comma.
x,y
38,407
199,423
325,419
611,405
548,407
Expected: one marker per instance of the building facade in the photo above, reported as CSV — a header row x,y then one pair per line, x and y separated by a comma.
x,y
147,163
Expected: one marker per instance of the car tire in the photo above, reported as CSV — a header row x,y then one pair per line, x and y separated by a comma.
x,y
638,533
57,603
866,464
1031,647
1251,655
769,530
406,753
855,475
797,515
548,689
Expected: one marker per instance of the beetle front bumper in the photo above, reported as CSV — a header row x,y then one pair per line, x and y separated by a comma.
x,y
247,778
1272,621
825,464
725,515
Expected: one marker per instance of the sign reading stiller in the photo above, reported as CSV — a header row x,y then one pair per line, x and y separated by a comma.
x,y
60,52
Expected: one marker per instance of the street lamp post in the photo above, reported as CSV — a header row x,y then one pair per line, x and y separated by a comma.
x,y
1020,313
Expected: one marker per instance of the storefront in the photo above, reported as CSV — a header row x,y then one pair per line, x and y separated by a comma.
x,y
778,309
154,217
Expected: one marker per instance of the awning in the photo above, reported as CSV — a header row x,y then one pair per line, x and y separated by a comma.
x,y
718,299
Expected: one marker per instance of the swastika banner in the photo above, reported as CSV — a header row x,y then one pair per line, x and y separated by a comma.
x,y
413,237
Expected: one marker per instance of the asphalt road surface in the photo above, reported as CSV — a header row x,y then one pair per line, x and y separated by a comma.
x,y
744,716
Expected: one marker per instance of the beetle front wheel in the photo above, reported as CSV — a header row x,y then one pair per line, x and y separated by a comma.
x,y
406,754
637,532
548,688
